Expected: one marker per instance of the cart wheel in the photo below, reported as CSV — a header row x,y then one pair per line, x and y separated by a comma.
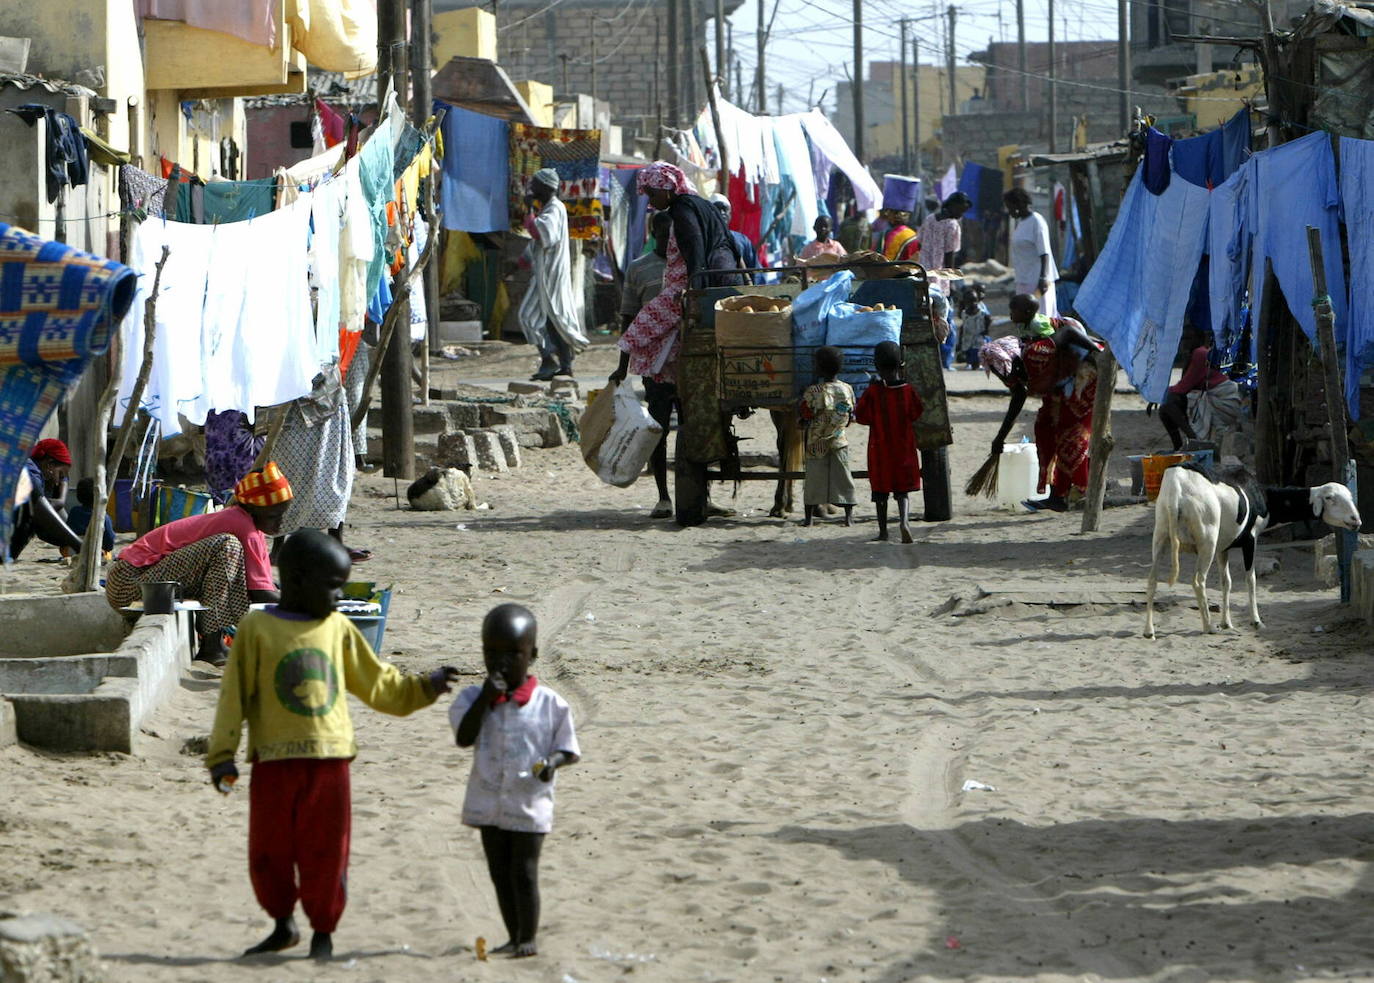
x,y
935,484
689,488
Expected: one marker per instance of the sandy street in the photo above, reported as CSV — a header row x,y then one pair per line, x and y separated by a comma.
x,y
778,725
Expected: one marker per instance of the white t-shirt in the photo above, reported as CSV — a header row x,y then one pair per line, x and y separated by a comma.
x,y
512,740
1030,240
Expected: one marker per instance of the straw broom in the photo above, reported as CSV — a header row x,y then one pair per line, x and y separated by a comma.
x,y
984,480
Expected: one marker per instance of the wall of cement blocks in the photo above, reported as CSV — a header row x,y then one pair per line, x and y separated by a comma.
x,y
74,677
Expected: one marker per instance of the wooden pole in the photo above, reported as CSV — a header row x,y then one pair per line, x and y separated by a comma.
x,y
1335,395
1102,442
398,425
722,66
915,106
1050,93
1020,56
724,176
906,121
1123,67
859,127
949,54
126,426
421,73
761,38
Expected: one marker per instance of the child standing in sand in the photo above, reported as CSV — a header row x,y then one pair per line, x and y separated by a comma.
x,y
286,676
827,408
890,408
524,733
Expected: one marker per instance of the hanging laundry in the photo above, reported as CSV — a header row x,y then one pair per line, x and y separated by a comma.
x,y
1293,186
947,185
139,189
326,221
1357,193
575,155
333,125
66,152
58,307
794,161
475,192
1133,296
1156,163
1228,260
237,201
827,143
971,183
307,172
375,174
357,249
1210,159
253,21
419,306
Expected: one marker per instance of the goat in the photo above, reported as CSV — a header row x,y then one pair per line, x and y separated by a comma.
x,y
1209,517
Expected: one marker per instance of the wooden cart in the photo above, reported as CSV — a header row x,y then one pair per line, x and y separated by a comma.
x,y
711,397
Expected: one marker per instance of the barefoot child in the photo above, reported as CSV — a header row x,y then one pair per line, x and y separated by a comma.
x,y
827,408
890,408
287,672
524,733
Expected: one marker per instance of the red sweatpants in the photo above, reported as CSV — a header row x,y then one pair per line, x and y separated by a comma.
x,y
299,819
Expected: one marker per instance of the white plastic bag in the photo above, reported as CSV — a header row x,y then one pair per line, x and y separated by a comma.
x,y
621,455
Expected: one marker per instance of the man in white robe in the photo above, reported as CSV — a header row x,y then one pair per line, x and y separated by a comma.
x,y
549,310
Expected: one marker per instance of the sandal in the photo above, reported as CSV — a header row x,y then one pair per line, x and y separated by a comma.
x,y
358,556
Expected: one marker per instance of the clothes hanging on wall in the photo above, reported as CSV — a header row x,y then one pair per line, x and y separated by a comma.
x,y
475,191
67,163
575,155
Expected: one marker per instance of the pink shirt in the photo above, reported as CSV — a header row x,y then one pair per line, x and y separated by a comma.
x,y
939,237
817,248
164,540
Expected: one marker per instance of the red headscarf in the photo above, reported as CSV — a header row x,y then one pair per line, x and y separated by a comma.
x,y
664,176
266,487
51,450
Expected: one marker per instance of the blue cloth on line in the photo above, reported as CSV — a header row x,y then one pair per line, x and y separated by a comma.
x,y
969,183
1357,194
1156,164
1210,159
1228,255
380,302
475,191
1134,296
1293,186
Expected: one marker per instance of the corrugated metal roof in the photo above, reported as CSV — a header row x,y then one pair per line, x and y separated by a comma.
x,y
332,87
24,81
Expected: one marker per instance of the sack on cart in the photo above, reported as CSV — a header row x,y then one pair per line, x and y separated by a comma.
x,y
813,306
856,331
754,334
618,436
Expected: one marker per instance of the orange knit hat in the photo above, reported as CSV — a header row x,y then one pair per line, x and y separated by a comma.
x,y
262,488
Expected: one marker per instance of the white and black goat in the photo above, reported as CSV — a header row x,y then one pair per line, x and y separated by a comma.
x,y
1211,517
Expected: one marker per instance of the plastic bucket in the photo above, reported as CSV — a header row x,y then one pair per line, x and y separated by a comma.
x,y
1153,468
372,626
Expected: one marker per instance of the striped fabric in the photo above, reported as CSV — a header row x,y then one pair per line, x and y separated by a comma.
x,y
57,306
576,156
266,487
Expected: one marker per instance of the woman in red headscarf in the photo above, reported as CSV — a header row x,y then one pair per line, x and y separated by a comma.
x,y
700,242
220,558
38,508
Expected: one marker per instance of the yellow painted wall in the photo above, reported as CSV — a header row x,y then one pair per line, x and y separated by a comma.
x,y
1214,97
466,33
539,97
886,138
178,56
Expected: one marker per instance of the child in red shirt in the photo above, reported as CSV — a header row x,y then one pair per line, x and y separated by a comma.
x,y
890,408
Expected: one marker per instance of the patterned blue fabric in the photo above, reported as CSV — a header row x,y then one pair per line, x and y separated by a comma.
x,y
57,308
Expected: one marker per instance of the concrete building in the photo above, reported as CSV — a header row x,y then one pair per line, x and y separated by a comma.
x,y
614,51
882,104
1156,58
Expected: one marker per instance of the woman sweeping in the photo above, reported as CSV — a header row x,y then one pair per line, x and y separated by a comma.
x,y
220,559
1058,370
698,242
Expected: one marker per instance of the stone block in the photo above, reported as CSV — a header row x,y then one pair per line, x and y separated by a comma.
x,y
490,455
534,419
555,435
526,387
564,388
456,450
8,734
430,419
45,949
466,416
510,444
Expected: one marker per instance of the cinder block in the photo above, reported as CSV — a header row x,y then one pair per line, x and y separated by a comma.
x,y
456,450
526,387
564,388
430,419
555,435
8,734
42,948
532,419
490,455
510,444
466,416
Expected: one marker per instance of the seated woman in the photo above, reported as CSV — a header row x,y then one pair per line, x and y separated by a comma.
x,y
1060,371
38,512
220,559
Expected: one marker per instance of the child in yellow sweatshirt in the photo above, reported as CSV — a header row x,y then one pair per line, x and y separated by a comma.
x,y
287,673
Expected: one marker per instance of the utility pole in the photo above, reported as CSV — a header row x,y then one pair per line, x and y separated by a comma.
x,y
421,69
916,105
949,57
730,61
398,425
858,80
693,8
779,112
1053,109
593,67
674,63
722,66
906,140
1021,54
1123,67
760,79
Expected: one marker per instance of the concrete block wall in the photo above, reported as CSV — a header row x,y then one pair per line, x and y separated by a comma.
x,y
1362,584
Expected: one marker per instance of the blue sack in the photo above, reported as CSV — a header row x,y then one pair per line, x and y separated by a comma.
x,y
813,306
856,333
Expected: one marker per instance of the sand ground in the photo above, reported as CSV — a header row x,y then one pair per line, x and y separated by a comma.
x,y
778,724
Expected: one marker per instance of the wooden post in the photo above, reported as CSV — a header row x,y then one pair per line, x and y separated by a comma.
x,y
1102,442
398,425
1335,395
724,177
126,426
421,71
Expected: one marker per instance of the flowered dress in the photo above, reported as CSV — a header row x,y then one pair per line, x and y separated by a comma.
x,y
654,338
1063,426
